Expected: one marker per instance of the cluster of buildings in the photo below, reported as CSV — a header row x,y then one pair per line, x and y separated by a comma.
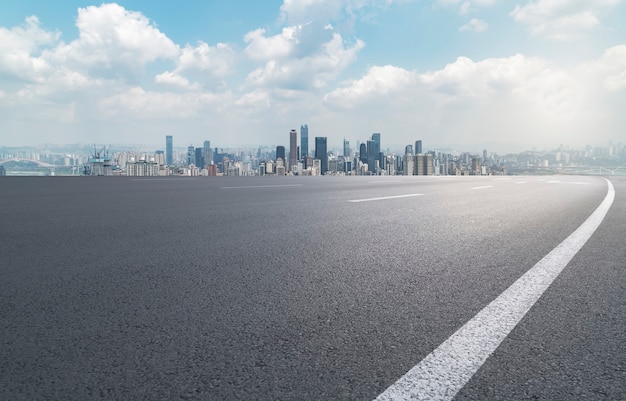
x,y
366,158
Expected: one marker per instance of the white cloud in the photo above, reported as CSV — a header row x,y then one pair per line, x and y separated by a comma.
x,y
379,82
20,54
609,72
498,100
343,12
173,79
562,19
113,43
203,63
465,6
139,104
261,47
475,25
314,70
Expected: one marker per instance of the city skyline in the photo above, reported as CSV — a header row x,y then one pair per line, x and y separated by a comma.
x,y
490,74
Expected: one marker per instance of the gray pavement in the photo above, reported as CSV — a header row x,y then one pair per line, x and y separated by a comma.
x,y
281,288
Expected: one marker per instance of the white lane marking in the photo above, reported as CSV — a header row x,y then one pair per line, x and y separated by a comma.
x,y
384,198
159,179
443,372
263,186
392,181
567,182
483,187
521,182
500,179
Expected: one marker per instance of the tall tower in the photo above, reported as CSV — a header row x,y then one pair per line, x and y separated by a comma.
x,y
418,147
293,148
200,158
169,149
372,156
376,139
363,153
373,152
191,155
207,153
346,148
280,153
304,141
321,153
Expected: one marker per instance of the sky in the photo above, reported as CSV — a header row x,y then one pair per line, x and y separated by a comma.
x,y
468,74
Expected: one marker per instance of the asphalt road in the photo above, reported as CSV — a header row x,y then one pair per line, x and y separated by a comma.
x,y
292,288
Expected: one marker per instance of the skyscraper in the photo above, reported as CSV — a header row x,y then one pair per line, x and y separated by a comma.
x,y
372,156
346,148
376,139
418,147
280,153
363,153
191,155
207,153
373,153
199,158
169,149
304,141
321,153
293,148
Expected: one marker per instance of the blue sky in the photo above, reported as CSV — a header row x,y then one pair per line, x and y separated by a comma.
x,y
506,75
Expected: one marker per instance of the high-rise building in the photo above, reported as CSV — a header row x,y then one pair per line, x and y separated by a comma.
x,y
280,153
321,153
346,148
207,153
304,141
424,164
418,147
373,153
191,155
408,150
293,148
363,153
376,139
199,158
420,164
409,164
169,150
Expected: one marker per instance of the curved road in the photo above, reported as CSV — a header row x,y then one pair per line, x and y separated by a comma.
x,y
301,287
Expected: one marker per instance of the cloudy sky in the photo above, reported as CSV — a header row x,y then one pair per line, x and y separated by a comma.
x,y
505,75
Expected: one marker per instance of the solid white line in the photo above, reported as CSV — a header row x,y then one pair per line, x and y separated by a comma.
x,y
159,179
384,198
442,373
483,187
263,186
567,182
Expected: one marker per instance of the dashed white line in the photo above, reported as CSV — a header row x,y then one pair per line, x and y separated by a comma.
x,y
442,373
483,187
263,186
384,198
521,182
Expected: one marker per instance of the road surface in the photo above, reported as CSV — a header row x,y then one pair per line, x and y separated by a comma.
x,y
291,288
